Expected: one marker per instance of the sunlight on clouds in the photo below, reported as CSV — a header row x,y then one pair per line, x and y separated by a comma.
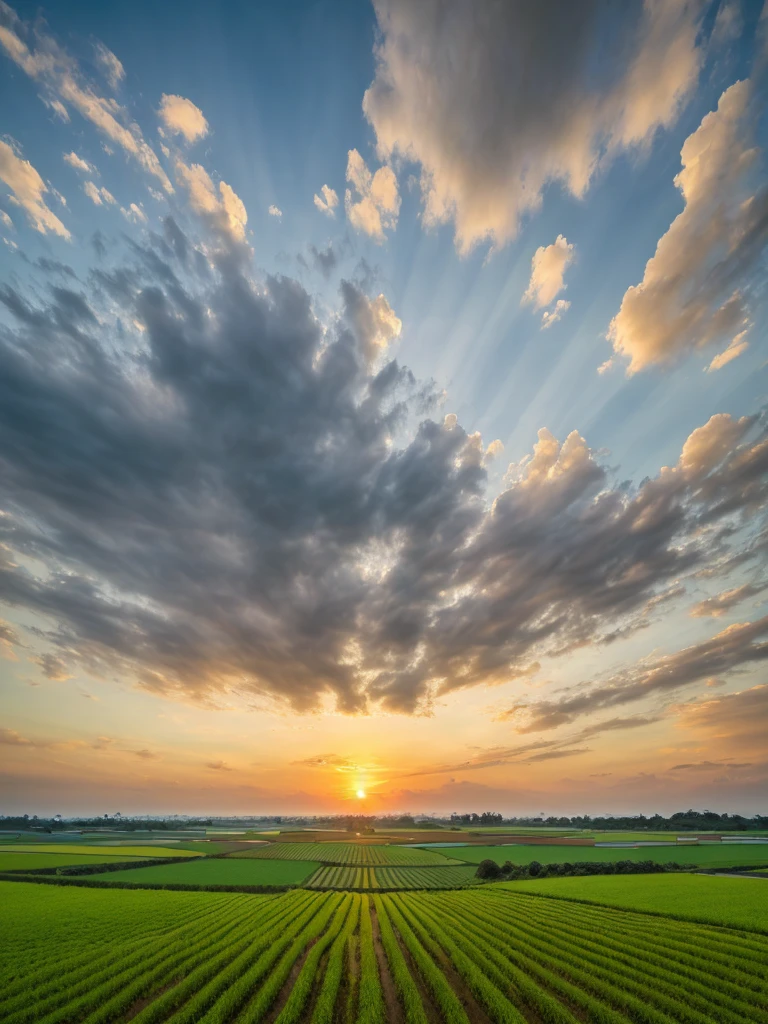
x,y
59,75
548,268
227,210
373,202
487,152
694,291
327,201
180,116
28,189
97,195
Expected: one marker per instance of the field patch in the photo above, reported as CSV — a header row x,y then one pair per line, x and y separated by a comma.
x,y
347,853
479,955
714,856
33,861
120,852
371,878
218,871
737,902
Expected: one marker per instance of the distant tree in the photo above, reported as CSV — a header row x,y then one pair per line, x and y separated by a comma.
x,y
534,869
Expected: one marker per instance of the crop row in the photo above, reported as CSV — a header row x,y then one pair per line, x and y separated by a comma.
x,y
346,854
341,877
478,954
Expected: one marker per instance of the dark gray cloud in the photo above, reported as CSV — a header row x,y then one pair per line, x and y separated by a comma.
x,y
229,495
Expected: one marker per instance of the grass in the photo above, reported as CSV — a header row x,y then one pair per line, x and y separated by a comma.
x,y
347,853
736,902
493,953
219,871
715,856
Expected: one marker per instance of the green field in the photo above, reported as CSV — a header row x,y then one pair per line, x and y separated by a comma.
x,y
33,861
119,852
714,856
218,871
347,853
487,954
738,902
330,877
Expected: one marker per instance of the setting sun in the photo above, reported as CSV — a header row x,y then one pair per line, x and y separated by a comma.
x,y
361,794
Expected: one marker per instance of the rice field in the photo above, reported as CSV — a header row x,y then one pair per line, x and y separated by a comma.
x,y
348,853
217,871
710,856
338,877
35,861
735,902
487,954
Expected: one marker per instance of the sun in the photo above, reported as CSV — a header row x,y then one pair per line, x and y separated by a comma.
x,y
361,794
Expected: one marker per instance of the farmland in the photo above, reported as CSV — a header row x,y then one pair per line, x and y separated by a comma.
x,y
709,856
448,877
104,852
491,953
218,871
348,853
738,902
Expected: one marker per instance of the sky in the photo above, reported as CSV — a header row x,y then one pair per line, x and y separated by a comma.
x,y
383,407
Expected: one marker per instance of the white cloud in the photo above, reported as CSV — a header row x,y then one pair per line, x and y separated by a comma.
x,y
551,316
97,195
496,100
28,189
226,209
181,117
373,202
374,321
695,288
62,82
134,213
110,65
327,201
6,221
275,211
78,163
548,267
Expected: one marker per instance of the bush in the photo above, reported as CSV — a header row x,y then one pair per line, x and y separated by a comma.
x,y
534,869
488,869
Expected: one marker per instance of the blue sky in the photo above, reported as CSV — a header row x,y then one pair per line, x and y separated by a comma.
x,y
282,94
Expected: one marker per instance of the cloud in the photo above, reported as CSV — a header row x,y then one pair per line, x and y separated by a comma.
x,y
495,101
53,668
110,65
13,739
275,211
28,189
180,116
134,213
325,260
695,289
714,607
144,754
225,212
550,317
548,268
63,85
735,348
6,221
736,720
327,201
97,195
373,202
218,766
78,163
254,500
737,645
710,766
